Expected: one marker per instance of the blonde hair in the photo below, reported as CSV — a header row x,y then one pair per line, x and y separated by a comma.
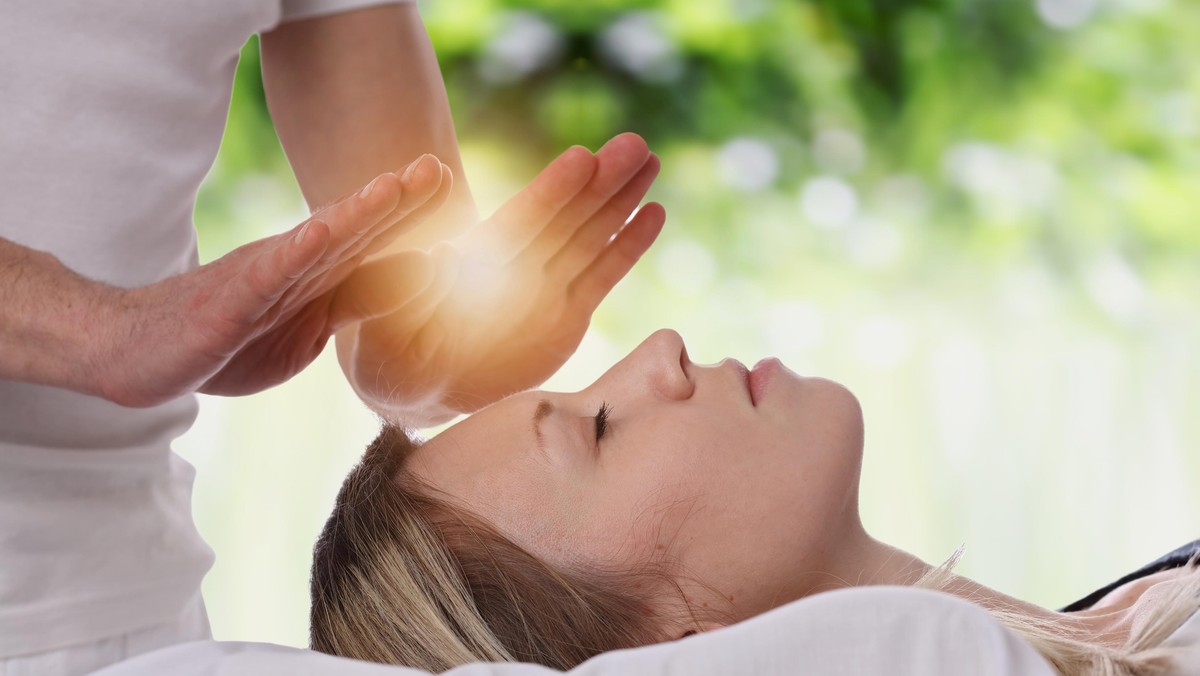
x,y
1072,650
401,576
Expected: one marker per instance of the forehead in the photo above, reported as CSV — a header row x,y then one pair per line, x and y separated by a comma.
x,y
489,444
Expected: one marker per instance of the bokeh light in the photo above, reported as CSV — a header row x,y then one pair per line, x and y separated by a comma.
x,y
524,44
749,164
829,202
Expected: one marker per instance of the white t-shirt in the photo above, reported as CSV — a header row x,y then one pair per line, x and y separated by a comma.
x,y
111,113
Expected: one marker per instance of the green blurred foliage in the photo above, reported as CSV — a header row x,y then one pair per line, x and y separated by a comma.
x,y
974,132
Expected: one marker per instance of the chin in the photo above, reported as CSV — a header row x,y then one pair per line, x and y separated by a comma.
x,y
830,395
829,410
842,396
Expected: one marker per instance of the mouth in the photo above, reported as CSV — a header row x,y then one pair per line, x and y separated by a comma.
x,y
760,377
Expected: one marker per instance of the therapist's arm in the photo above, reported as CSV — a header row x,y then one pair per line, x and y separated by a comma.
x,y
242,323
358,92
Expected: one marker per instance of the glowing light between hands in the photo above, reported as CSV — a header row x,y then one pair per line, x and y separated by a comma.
x,y
487,287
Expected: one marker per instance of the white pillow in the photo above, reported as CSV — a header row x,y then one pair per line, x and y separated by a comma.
x,y
1187,636
850,632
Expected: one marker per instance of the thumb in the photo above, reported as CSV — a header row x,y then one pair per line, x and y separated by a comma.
x,y
256,275
380,287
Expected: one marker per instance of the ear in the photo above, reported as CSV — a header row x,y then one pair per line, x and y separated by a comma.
x,y
699,628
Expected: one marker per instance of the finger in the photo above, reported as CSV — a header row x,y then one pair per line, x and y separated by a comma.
x,y
415,217
421,184
351,218
424,180
586,291
354,215
356,220
617,163
262,278
523,217
380,287
589,241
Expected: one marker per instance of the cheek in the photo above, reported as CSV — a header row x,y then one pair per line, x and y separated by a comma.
x,y
691,482
780,492
830,440
829,414
639,489
539,515
819,430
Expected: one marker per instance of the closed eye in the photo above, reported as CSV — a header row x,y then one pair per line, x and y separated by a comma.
x,y
602,422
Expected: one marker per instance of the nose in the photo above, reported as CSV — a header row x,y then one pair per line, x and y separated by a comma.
x,y
657,368
663,357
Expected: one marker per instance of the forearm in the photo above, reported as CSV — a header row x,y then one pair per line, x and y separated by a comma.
x,y
357,94
50,319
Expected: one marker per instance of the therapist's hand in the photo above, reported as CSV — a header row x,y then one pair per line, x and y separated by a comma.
x,y
512,297
257,316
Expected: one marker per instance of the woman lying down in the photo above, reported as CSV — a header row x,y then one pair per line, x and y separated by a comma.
x,y
667,498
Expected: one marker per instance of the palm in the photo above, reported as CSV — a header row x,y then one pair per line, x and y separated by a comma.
x,y
483,342
277,355
512,300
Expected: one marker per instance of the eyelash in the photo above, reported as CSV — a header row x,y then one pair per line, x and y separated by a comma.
x,y
602,420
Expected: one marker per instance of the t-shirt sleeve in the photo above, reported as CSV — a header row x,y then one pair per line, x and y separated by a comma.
x,y
307,9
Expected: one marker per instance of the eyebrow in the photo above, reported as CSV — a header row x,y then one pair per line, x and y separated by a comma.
x,y
544,408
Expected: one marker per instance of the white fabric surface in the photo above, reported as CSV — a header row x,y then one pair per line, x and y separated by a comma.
x,y
853,632
83,658
1188,638
112,114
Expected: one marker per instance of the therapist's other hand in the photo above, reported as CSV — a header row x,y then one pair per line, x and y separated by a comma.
x,y
257,316
511,298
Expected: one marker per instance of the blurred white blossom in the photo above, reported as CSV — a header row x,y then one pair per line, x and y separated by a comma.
x,y
1065,13
638,43
749,164
829,202
525,43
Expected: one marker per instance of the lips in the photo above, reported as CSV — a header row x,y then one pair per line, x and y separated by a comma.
x,y
760,378
757,380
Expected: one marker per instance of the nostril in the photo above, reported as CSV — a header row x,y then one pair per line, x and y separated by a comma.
x,y
686,386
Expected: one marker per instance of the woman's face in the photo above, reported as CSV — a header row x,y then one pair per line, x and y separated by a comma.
x,y
751,494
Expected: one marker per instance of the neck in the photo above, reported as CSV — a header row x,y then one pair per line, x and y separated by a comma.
x,y
880,563
871,562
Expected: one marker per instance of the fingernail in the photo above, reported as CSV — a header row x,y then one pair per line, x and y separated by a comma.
x,y
303,231
370,186
412,168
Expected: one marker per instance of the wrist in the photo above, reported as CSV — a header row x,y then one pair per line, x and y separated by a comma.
x,y
412,415
397,405
105,352
52,321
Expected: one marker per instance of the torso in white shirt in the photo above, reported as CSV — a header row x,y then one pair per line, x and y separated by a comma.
x,y
111,114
